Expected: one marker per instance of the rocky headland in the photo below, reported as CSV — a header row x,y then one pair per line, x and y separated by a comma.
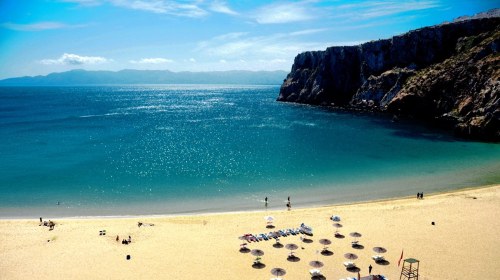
x,y
446,75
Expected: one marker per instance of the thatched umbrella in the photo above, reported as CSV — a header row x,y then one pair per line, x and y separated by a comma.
x,y
278,271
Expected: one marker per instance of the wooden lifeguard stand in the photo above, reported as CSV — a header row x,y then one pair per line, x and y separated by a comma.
x,y
410,269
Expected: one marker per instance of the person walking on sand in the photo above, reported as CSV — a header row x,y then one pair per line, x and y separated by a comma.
x,y
370,269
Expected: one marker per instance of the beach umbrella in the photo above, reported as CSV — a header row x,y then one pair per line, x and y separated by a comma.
x,y
277,271
316,264
291,246
379,250
325,242
337,225
257,252
355,235
350,256
335,218
269,219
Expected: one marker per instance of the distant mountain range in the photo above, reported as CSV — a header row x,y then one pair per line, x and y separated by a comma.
x,y
83,77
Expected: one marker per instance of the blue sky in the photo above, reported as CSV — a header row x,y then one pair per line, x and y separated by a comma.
x,y
38,37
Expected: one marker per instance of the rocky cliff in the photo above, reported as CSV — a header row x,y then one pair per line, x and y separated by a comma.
x,y
446,74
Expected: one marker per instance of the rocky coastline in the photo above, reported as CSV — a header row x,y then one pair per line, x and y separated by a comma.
x,y
446,75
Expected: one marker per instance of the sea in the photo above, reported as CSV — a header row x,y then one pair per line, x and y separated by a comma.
x,y
85,151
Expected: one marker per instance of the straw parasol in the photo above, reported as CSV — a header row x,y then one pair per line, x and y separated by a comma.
x,y
325,242
337,225
355,235
350,256
278,271
379,250
291,246
257,252
316,264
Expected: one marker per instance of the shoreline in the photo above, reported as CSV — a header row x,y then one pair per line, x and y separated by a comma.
x,y
206,246
273,209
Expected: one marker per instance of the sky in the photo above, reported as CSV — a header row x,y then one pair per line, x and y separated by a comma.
x,y
38,37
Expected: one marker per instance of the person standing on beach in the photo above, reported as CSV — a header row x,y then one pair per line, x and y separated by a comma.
x,y
289,206
370,269
41,220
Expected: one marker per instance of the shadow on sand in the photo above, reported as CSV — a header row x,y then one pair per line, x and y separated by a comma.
x,y
277,245
258,265
353,269
307,240
244,250
358,246
383,262
327,253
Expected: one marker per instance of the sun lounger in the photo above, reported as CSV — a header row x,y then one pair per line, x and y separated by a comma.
x,y
378,258
349,264
315,272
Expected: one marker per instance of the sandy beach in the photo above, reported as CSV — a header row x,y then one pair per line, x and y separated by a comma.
x,y
463,243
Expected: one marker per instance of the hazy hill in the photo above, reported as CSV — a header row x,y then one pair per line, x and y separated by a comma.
x,y
83,77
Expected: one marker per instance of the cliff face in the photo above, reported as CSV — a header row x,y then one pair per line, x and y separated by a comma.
x,y
447,73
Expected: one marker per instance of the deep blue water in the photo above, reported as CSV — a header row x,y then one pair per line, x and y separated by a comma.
x,y
124,150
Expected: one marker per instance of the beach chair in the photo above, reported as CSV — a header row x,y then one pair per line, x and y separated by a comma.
x,y
349,265
315,272
378,258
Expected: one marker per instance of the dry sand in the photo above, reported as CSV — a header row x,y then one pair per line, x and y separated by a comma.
x,y
463,243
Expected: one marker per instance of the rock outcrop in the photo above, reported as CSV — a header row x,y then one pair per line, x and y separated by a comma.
x,y
446,74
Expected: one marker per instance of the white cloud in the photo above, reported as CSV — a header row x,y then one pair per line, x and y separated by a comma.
x,y
222,7
38,26
162,7
284,13
74,59
241,45
223,61
192,60
375,9
308,31
156,60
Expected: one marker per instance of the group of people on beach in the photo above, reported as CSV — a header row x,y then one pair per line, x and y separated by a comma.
x,y
124,241
288,204
49,224
420,195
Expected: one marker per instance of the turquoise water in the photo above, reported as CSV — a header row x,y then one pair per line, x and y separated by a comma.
x,y
127,150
